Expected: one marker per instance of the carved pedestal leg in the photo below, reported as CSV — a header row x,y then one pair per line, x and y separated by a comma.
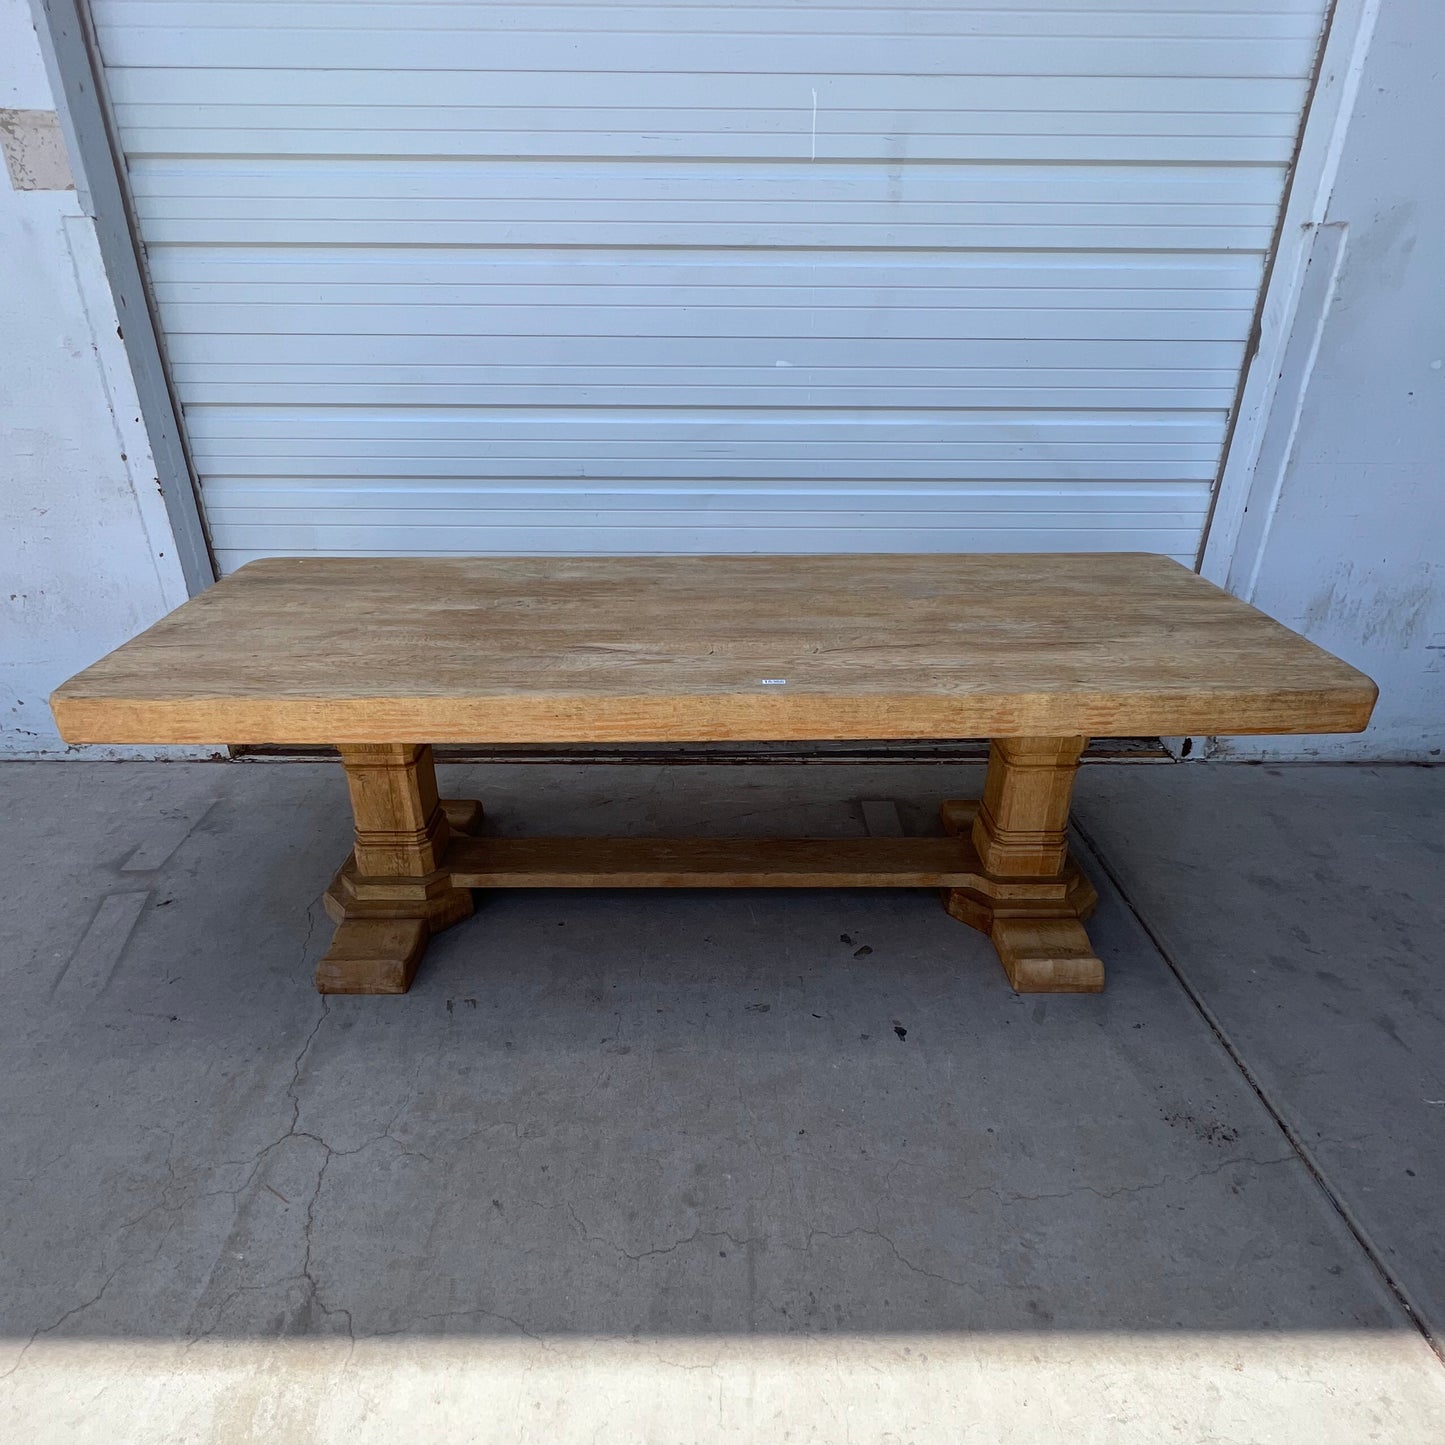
x,y
1019,832
393,892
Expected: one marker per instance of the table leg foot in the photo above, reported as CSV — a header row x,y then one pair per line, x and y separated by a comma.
x,y
433,900
1040,953
1030,897
382,929
395,890
1047,955
373,955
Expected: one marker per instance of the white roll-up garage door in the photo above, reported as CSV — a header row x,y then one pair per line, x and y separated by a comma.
x,y
616,276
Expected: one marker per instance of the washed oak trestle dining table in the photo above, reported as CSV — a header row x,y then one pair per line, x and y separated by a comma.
x,y
382,657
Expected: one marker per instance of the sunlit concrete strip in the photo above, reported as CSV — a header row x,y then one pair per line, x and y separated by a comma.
x,y
1110,1388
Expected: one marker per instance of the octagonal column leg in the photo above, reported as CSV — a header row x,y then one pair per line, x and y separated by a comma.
x,y
1020,833
393,892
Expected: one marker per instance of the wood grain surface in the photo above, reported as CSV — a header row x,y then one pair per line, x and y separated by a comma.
x,y
688,649
713,863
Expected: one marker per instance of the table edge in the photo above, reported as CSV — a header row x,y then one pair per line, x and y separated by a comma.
x,y
746,717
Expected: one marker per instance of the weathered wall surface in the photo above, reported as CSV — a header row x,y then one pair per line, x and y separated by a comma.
x,y
87,557
1355,553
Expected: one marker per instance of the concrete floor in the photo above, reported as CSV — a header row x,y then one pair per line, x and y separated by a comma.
x,y
686,1167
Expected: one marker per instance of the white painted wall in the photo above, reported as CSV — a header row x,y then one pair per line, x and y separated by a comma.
x,y
87,556
1352,550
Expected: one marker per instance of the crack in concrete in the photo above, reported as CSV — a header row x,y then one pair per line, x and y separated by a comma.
x,y
174,1182
875,1231
95,1299
306,1271
292,1087
698,1233
69,1314
1128,1188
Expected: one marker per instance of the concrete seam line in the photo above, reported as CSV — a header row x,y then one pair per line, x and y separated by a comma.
x,y
1346,1214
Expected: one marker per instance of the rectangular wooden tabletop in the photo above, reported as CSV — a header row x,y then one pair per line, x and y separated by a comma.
x,y
758,648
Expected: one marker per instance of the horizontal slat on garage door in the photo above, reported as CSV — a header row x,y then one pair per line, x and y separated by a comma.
x,y
638,515
629,276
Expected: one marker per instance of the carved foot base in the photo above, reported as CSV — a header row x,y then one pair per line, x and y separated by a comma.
x,y
384,924
1035,925
373,955
1047,955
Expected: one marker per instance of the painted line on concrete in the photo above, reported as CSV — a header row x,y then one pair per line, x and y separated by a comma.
x,y
89,968
163,840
